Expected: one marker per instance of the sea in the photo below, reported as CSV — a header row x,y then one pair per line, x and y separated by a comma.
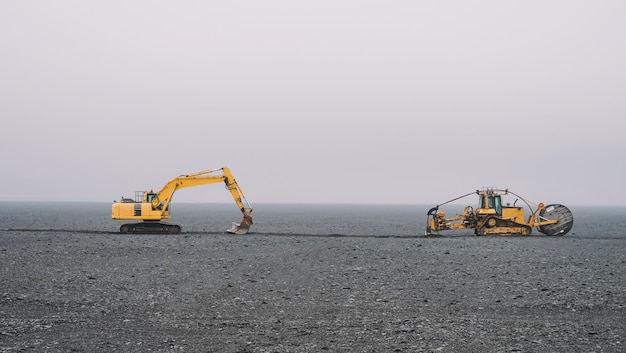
x,y
357,220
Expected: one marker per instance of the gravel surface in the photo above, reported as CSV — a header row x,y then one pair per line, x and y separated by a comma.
x,y
104,292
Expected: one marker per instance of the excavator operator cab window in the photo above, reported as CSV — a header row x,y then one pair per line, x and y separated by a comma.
x,y
150,196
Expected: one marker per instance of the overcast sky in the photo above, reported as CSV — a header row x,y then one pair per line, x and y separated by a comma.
x,y
410,102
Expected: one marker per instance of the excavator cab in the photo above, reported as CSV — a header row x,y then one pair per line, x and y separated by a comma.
x,y
150,196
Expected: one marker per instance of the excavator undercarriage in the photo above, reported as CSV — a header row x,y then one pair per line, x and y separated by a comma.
x,y
150,227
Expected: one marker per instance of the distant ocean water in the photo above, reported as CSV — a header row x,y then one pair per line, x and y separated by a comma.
x,y
285,219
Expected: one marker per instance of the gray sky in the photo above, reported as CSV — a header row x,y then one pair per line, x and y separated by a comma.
x,y
320,101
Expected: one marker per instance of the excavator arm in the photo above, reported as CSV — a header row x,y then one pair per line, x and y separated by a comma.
x,y
239,197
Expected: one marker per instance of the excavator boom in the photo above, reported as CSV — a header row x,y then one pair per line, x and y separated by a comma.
x,y
152,207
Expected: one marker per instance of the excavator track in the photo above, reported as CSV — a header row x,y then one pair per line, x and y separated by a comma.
x,y
150,228
496,226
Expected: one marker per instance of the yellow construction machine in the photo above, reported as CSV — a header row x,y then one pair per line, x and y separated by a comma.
x,y
151,207
492,217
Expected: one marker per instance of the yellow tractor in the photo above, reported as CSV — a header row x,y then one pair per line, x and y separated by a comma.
x,y
492,217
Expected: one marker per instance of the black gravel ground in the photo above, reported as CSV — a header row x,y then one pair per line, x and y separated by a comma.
x,y
103,292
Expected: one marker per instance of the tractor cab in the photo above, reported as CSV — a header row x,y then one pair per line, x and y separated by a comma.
x,y
489,203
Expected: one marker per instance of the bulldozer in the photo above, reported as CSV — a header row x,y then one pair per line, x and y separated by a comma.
x,y
493,217
152,207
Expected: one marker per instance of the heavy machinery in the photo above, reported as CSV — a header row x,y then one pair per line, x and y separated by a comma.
x,y
492,217
151,207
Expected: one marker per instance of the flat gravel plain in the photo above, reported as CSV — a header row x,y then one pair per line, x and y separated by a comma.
x,y
202,292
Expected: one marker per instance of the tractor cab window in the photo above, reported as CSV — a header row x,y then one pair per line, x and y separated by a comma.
x,y
492,202
497,204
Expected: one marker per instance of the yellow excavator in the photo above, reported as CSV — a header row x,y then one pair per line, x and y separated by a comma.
x,y
492,217
151,207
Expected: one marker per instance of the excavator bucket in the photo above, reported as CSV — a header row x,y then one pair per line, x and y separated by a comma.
x,y
243,227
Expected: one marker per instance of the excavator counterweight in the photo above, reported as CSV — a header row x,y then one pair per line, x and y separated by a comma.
x,y
152,207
